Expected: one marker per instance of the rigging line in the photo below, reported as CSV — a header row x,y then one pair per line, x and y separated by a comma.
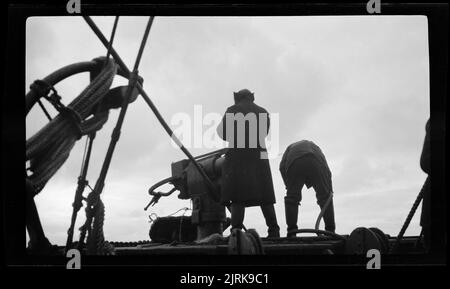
x,y
116,132
143,42
77,203
85,164
108,52
84,155
105,42
410,216
212,192
87,184
93,199
44,110
88,137
113,33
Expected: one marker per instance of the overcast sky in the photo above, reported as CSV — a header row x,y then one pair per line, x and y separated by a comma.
x,y
356,86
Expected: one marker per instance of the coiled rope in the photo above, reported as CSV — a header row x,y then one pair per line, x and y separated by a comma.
x,y
96,244
49,148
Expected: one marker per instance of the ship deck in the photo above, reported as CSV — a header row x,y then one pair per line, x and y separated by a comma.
x,y
271,246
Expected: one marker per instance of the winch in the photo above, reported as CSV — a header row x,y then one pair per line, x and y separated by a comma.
x,y
208,215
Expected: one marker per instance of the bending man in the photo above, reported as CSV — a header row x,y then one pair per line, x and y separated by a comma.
x,y
303,163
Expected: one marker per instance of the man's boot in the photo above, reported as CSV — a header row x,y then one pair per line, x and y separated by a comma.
x,y
237,216
271,221
328,217
291,211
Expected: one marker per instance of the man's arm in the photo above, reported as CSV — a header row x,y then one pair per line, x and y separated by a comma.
x,y
221,128
425,162
283,169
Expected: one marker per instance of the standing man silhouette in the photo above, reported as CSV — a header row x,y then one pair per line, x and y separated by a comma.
x,y
247,178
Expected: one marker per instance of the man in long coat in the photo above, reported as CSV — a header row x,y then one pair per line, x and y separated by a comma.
x,y
247,178
303,163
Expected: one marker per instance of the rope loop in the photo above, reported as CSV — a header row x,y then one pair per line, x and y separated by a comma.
x,y
133,79
75,120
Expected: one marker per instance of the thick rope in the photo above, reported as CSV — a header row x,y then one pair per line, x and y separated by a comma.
x,y
49,148
96,244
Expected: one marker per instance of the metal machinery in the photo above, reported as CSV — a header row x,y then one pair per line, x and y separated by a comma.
x,y
208,215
